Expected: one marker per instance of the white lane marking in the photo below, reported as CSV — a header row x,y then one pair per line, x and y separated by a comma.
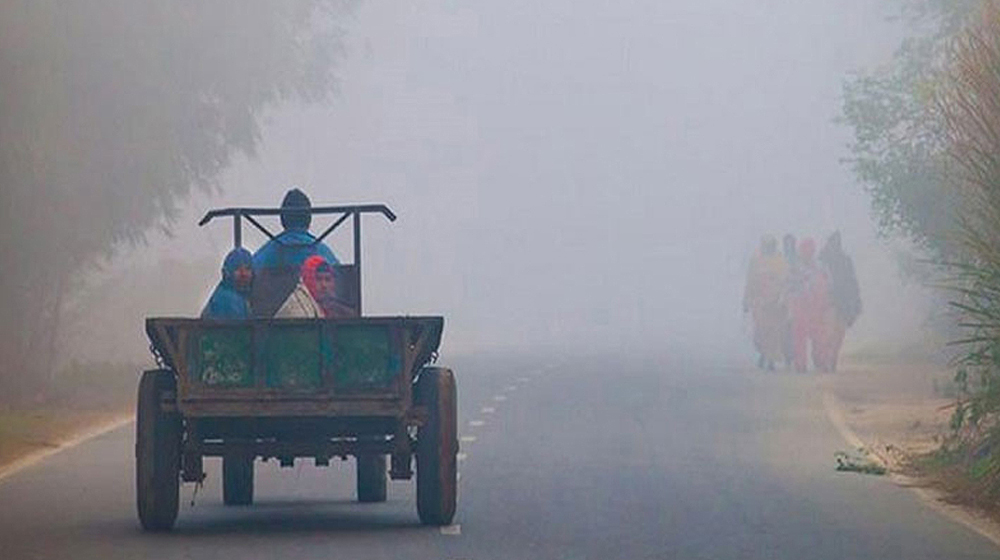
x,y
522,379
461,457
500,398
489,410
452,530
510,388
34,458
458,476
476,423
467,439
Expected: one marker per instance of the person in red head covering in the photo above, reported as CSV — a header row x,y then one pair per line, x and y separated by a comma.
x,y
808,301
319,278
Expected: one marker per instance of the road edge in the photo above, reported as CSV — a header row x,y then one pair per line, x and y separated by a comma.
x,y
969,518
36,457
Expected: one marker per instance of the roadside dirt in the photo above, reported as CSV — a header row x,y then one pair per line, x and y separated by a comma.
x,y
898,409
900,412
85,398
24,433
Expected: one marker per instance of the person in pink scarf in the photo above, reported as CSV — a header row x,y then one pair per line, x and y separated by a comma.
x,y
808,301
320,281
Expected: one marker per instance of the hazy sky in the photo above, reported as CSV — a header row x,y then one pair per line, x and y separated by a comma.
x,y
592,173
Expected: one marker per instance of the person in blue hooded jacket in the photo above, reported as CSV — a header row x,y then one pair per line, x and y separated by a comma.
x,y
276,265
230,298
295,244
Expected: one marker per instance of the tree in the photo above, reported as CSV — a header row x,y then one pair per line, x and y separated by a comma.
x,y
112,112
899,152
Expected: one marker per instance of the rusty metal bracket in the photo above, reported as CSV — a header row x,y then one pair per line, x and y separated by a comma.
x,y
416,416
285,451
168,401
192,468
401,466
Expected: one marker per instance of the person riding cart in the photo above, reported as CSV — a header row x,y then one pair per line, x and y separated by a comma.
x,y
229,299
278,263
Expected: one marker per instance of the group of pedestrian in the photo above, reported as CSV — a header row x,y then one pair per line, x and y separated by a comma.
x,y
292,275
801,304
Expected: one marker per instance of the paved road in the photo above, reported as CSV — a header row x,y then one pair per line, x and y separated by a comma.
x,y
599,459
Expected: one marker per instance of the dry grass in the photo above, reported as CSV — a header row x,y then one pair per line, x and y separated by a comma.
x,y
969,101
899,410
23,432
84,396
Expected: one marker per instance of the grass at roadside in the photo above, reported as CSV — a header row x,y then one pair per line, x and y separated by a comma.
x,y
25,432
960,476
81,397
902,412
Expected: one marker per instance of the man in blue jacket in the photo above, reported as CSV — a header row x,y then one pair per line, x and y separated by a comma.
x,y
276,265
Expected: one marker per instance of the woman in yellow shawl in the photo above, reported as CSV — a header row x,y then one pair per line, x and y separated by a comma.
x,y
764,299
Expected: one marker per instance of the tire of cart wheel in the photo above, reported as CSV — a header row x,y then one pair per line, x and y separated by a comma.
x,y
371,478
157,453
437,446
237,480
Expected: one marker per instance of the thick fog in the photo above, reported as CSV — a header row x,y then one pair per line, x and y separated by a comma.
x,y
579,175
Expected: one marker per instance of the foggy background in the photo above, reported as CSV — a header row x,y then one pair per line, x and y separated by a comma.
x,y
584,176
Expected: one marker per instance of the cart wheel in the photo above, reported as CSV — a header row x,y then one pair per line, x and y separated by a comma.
x,y
237,480
371,478
437,446
157,453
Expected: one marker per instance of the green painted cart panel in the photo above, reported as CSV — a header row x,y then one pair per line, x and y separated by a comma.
x,y
222,357
364,358
292,358
274,364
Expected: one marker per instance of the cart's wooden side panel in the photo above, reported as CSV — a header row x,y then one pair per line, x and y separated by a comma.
x,y
296,367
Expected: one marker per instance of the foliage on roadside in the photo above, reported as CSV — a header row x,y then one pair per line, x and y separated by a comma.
x,y
927,148
898,152
969,103
91,394
113,112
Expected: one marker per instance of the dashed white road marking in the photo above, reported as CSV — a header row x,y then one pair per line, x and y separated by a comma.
x,y
462,456
452,530
489,410
500,398
510,388
467,439
476,423
523,379
458,476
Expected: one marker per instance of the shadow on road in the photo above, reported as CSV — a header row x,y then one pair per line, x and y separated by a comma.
x,y
298,516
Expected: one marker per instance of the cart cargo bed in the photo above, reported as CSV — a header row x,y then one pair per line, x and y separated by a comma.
x,y
295,367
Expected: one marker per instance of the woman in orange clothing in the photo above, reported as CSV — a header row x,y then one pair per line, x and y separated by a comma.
x,y
764,300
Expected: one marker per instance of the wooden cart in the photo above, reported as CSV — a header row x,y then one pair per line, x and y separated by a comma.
x,y
286,389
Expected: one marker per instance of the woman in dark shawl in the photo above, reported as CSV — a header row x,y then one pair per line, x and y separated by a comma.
x,y
845,297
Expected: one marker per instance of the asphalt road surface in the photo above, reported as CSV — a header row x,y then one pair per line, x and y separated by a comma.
x,y
566,459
